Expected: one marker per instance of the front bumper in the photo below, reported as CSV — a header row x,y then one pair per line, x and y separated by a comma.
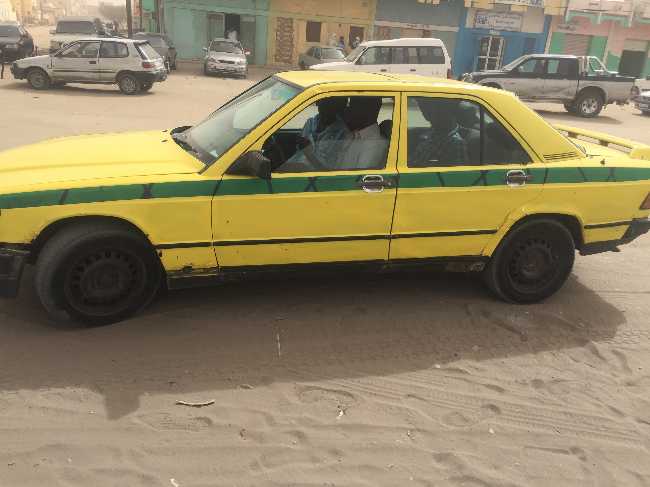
x,y
12,263
18,73
226,68
642,104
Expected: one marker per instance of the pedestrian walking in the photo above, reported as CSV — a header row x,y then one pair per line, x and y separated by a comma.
x,y
2,63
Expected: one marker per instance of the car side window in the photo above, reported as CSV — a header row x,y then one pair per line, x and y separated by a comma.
x,y
337,133
375,55
531,66
86,50
445,132
113,50
430,55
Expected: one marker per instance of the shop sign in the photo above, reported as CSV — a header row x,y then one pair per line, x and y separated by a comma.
x,y
488,19
526,3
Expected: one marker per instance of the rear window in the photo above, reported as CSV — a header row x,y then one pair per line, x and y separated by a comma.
x,y
75,27
9,31
146,51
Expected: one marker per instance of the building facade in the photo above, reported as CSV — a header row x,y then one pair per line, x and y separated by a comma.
x,y
494,34
296,25
7,11
416,18
617,32
193,23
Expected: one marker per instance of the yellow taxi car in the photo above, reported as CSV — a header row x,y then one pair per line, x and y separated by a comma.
x,y
308,170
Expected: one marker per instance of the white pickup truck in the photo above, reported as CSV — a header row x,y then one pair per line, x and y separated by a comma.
x,y
581,83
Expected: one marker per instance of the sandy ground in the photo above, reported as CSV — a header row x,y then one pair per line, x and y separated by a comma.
x,y
406,380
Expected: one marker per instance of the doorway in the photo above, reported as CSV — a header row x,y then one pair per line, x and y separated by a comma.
x,y
632,63
233,26
215,26
490,53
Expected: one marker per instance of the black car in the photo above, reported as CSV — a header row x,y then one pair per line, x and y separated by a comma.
x,y
162,44
15,41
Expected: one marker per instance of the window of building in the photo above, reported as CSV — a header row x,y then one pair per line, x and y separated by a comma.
x,y
313,31
490,53
446,132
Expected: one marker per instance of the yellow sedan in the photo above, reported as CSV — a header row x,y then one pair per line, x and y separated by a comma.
x,y
313,170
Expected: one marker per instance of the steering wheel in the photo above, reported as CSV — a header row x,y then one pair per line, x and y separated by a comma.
x,y
275,152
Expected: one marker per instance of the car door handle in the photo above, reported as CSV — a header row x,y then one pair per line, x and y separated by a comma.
x,y
374,183
383,70
413,70
92,62
517,177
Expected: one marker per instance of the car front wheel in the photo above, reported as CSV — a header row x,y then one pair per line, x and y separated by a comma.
x,y
97,274
532,262
38,79
129,84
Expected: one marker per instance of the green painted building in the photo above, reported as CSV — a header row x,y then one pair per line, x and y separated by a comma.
x,y
193,23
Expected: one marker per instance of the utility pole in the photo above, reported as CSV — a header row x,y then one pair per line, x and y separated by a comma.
x,y
129,18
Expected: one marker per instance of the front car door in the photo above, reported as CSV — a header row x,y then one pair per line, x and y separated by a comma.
x,y
111,59
560,79
335,213
77,62
463,170
374,60
526,80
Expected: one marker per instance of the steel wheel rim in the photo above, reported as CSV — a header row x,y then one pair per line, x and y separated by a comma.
x,y
104,282
37,79
589,105
128,84
533,265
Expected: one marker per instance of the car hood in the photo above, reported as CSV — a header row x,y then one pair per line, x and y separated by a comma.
x,y
333,66
228,56
9,40
88,157
33,61
488,74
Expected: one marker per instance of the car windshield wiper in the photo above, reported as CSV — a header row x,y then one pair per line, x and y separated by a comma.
x,y
180,139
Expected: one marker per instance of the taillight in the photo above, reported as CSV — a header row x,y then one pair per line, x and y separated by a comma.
x,y
147,65
450,75
646,203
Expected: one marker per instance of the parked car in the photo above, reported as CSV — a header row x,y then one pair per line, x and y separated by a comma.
x,y
640,85
319,55
15,41
163,46
69,29
226,56
106,219
581,83
133,65
642,102
426,56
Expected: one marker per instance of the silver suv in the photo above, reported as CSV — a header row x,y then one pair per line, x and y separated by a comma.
x,y
134,65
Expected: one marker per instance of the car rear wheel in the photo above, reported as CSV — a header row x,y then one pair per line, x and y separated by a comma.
x,y
589,104
97,274
38,79
532,262
129,84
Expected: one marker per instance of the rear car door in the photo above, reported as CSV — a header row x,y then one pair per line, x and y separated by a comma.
x,y
560,79
112,57
463,170
374,60
77,62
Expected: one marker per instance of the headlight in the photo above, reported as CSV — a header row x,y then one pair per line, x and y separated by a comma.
x,y
11,46
241,61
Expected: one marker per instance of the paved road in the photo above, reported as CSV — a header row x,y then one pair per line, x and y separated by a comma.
x,y
354,381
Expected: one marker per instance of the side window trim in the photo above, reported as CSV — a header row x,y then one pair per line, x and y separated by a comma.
x,y
533,156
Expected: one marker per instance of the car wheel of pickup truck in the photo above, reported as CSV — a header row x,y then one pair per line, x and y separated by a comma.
x,y
97,273
589,104
532,262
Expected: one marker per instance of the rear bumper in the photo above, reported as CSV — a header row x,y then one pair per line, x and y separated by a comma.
x,y
12,263
638,227
153,76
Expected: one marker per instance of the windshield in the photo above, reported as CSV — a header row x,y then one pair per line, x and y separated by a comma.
x,y
223,46
233,121
355,53
511,66
147,51
331,53
75,28
9,31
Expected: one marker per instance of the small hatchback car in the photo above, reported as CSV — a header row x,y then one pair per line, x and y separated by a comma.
x,y
132,64
308,170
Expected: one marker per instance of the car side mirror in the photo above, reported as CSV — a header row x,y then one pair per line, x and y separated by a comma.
x,y
252,163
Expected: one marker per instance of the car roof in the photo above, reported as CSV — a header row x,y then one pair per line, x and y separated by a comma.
x,y
113,39
77,19
406,41
223,39
309,78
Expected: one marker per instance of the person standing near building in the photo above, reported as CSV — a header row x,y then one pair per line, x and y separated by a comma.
x,y
341,44
232,35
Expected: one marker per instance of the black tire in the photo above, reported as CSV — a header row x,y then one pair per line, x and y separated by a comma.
x,y
570,107
532,262
129,84
38,79
205,70
97,274
146,86
589,104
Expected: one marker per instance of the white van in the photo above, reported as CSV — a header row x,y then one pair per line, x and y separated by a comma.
x,y
425,56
